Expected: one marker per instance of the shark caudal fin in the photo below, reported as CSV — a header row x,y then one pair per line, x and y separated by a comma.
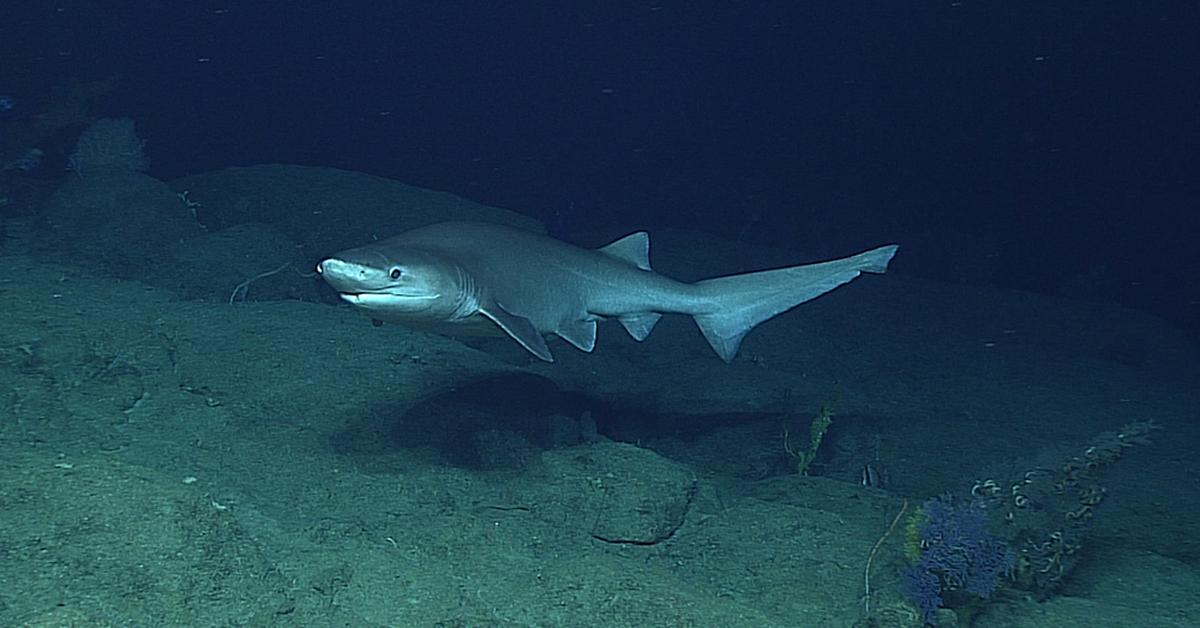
x,y
739,302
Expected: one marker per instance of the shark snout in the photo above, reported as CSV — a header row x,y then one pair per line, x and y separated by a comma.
x,y
325,266
345,276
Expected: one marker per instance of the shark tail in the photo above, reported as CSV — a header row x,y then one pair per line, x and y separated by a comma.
x,y
740,302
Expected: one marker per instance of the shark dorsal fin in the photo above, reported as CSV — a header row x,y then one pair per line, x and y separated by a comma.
x,y
633,248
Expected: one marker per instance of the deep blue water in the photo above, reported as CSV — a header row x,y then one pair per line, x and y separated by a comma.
x,y
1042,146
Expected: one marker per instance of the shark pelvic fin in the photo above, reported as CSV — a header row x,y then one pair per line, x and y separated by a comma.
x,y
581,334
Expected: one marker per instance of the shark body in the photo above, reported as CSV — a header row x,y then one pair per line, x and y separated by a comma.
x,y
455,276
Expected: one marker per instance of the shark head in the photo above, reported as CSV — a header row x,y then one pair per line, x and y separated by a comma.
x,y
405,285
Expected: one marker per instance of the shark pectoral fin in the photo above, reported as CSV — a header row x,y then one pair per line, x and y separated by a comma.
x,y
639,325
581,334
521,329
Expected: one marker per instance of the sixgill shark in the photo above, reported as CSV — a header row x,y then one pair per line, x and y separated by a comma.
x,y
455,275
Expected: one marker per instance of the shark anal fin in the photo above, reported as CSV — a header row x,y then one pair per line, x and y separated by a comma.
x,y
639,325
633,248
581,334
521,329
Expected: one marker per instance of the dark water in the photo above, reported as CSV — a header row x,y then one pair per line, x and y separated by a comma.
x,y
1018,144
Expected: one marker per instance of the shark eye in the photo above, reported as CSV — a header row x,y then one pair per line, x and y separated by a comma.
x,y
396,272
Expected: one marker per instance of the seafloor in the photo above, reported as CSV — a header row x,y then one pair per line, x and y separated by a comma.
x,y
189,438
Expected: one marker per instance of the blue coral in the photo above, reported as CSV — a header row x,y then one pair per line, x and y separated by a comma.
x,y
923,588
958,552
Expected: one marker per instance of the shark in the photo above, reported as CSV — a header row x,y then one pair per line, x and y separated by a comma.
x,y
470,277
